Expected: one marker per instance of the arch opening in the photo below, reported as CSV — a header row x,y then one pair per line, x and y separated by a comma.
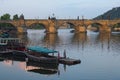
x,y
94,27
116,27
8,28
39,26
70,25
65,25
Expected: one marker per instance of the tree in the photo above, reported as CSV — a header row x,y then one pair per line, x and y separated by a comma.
x,y
5,17
15,17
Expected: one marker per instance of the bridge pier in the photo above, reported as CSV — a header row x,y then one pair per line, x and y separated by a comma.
x,y
80,29
52,27
21,30
105,29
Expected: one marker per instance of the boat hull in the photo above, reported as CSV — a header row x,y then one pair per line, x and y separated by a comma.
x,y
43,59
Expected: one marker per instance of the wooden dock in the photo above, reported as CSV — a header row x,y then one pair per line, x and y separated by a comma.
x,y
69,61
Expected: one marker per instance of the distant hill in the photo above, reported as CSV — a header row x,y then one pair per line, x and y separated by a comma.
x,y
111,14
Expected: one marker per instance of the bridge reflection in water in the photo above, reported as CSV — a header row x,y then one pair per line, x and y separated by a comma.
x,y
64,38
50,40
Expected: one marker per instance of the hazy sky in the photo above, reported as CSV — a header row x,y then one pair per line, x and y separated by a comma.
x,y
61,8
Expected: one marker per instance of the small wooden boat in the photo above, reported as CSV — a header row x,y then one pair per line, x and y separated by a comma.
x,y
40,54
42,59
72,31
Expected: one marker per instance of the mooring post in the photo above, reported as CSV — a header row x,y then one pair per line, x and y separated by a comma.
x,y
26,59
52,54
58,72
58,55
64,53
64,67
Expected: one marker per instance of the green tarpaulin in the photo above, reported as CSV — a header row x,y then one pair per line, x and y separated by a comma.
x,y
41,49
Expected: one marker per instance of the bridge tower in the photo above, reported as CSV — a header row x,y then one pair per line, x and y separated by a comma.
x,y
21,25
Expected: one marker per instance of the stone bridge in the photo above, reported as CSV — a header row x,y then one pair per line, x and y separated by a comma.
x,y
51,26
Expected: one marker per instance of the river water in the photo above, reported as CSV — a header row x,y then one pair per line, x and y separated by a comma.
x,y
99,55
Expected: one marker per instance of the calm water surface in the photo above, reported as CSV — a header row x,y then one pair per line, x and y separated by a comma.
x,y
99,55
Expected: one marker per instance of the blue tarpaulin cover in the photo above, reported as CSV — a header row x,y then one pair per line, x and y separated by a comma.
x,y
41,49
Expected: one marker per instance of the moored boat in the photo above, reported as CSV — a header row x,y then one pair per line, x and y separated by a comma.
x,y
41,54
12,44
43,59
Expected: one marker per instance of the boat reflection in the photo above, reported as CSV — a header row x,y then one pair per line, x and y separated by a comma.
x,y
31,66
41,68
12,57
1,60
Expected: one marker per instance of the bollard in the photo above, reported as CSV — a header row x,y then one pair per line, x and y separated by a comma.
x,y
26,59
64,53
58,55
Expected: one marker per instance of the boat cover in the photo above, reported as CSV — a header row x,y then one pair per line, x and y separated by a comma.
x,y
41,49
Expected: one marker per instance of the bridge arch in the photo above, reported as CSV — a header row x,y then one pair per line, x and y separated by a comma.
x,y
8,27
71,25
36,26
94,26
32,23
115,27
65,24
17,24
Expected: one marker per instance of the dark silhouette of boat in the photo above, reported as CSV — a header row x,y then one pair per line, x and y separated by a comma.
x,y
41,54
42,68
11,56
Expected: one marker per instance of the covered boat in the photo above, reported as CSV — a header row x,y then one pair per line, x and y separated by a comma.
x,y
40,54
